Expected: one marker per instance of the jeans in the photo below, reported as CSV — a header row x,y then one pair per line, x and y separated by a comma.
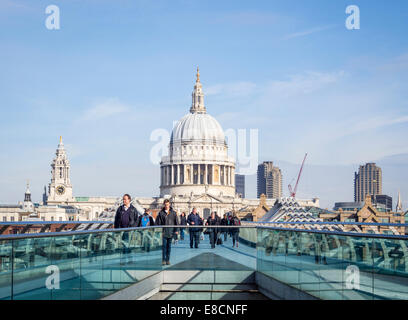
x,y
181,233
235,236
147,239
166,248
126,252
213,238
194,238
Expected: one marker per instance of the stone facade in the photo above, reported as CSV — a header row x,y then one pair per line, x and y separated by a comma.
x,y
367,214
60,188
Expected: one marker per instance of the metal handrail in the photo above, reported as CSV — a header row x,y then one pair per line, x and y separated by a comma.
x,y
341,233
70,233
16,223
334,223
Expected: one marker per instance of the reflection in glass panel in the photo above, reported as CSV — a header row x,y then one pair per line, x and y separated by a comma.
x,y
5,269
31,258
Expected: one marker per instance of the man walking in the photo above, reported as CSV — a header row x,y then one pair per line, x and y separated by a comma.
x,y
126,217
212,232
224,222
235,231
194,220
183,222
167,217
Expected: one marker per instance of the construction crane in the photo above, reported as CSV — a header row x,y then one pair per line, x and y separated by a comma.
x,y
293,192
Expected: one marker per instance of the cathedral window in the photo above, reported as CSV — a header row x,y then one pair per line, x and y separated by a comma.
x,y
181,174
202,172
175,174
195,174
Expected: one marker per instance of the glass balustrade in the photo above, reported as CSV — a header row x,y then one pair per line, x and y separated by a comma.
x,y
94,264
335,266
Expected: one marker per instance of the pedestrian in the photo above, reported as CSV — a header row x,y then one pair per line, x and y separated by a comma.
x,y
126,217
175,235
146,220
229,217
217,217
224,222
167,217
201,230
235,231
183,222
212,232
194,220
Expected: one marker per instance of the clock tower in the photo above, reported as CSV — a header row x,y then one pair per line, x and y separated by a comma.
x,y
60,188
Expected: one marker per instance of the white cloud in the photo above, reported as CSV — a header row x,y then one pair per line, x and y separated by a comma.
x,y
252,18
105,109
372,124
307,32
302,83
8,4
236,89
398,64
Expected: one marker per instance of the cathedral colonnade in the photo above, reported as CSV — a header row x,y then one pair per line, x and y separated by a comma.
x,y
197,174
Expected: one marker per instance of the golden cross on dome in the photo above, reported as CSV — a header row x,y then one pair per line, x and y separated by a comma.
x,y
198,75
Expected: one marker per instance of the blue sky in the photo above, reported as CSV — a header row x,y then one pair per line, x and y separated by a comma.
x,y
117,70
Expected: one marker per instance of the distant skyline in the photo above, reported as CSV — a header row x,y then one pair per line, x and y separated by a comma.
x,y
117,70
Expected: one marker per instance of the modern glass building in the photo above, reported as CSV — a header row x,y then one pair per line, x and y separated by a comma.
x,y
240,184
368,181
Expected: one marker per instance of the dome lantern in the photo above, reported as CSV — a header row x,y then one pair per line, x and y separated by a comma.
x,y
197,105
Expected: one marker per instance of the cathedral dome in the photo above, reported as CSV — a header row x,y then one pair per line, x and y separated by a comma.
x,y
197,162
198,127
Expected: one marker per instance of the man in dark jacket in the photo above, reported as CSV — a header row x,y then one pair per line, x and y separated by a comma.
x,y
212,232
194,220
235,231
126,217
224,222
167,217
183,222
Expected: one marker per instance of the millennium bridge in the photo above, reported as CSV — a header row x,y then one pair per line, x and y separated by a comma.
x,y
91,260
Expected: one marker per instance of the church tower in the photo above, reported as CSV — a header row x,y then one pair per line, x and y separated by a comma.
x,y
60,188
28,205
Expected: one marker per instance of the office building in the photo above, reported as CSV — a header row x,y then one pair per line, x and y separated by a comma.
x,y
368,181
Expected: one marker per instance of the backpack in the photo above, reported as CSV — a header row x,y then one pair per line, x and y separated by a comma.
x,y
236,222
145,221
